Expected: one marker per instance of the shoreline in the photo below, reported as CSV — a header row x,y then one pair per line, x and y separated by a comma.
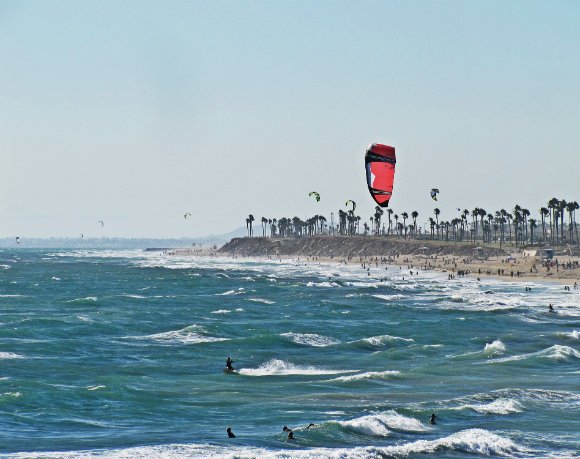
x,y
505,265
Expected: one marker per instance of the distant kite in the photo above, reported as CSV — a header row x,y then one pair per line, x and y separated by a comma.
x,y
82,235
102,223
353,204
315,194
380,163
186,214
434,192
17,239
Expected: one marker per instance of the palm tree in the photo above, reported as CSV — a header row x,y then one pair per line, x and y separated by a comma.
x,y
264,223
509,217
489,220
517,219
321,221
526,214
464,216
415,214
562,207
572,207
432,227
397,223
437,212
553,206
405,215
543,214
533,224
389,213
250,221
482,214
378,215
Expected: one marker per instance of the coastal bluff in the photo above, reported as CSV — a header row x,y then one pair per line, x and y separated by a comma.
x,y
350,246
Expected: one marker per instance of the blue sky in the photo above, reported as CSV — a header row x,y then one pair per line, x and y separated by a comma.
x,y
137,112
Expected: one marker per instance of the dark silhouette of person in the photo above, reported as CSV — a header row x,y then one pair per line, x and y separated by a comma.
x,y
289,432
551,308
229,362
432,419
230,433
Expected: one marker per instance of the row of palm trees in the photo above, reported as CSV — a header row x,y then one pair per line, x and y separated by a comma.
x,y
515,227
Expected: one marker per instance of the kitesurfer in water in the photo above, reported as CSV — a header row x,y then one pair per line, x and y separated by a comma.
x,y
230,433
229,366
289,432
432,419
551,308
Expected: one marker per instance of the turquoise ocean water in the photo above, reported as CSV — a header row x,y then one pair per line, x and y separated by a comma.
x,y
120,354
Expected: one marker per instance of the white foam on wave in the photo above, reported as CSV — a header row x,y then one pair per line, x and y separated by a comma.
x,y
473,441
276,367
261,300
575,335
494,348
137,297
239,291
86,299
322,284
382,424
97,387
5,266
193,334
11,296
221,311
84,318
499,406
389,297
311,339
363,284
556,352
367,375
55,278
10,355
383,339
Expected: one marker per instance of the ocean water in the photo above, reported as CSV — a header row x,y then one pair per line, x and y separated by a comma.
x,y
121,355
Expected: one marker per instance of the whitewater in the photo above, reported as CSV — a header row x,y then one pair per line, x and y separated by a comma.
x,y
120,354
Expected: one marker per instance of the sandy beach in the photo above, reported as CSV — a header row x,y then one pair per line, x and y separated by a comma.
x,y
511,265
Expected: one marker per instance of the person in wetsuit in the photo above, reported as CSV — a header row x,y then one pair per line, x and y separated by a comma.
x,y
229,366
230,433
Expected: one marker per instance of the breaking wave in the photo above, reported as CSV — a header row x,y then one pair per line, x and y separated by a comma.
x,y
277,367
193,334
310,339
368,375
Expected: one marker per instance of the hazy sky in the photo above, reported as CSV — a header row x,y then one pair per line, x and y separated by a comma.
x,y
135,112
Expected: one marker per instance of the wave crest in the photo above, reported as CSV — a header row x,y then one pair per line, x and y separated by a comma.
x,y
276,367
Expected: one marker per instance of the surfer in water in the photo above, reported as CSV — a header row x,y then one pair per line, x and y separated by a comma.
x,y
230,433
551,308
229,366
289,432
432,419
